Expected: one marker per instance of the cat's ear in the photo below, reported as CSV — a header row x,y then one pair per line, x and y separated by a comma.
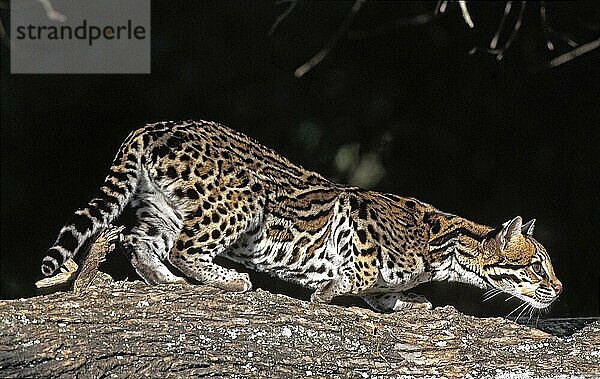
x,y
509,230
528,227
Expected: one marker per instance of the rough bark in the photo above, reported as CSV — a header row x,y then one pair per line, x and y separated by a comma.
x,y
123,329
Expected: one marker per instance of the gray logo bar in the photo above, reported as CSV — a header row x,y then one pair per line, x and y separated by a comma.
x,y
80,37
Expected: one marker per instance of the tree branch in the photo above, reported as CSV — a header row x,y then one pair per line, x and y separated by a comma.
x,y
121,329
569,56
282,16
317,58
465,13
401,22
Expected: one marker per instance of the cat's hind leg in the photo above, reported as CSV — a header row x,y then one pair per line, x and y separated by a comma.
x,y
148,243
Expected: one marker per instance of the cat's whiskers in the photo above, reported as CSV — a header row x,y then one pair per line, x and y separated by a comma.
x,y
516,309
491,294
531,310
522,311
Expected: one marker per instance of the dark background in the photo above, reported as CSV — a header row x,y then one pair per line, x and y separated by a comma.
x,y
408,111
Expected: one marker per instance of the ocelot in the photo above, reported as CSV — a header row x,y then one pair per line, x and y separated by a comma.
x,y
201,190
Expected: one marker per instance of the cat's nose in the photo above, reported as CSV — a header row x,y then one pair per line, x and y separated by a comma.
x,y
558,288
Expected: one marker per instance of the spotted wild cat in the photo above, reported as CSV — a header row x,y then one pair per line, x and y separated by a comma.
x,y
202,190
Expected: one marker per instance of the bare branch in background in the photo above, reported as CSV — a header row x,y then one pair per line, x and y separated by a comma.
x,y
51,13
396,24
514,32
465,13
564,38
282,16
546,29
549,31
343,29
561,59
443,6
494,41
499,52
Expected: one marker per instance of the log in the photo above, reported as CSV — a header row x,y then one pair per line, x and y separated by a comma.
x,y
120,329
128,328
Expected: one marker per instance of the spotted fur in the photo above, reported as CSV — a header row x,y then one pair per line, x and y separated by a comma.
x,y
202,190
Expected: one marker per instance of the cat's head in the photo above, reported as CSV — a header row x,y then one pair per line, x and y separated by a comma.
x,y
514,262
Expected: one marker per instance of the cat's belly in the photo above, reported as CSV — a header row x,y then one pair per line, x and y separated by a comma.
x,y
285,260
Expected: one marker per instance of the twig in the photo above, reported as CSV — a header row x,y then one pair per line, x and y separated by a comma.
x,y
398,23
465,13
494,41
282,16
66,274
563,37
106,243
51,13
544,20
315,60
548,30
440,8
83,274
499,52
515,30
443,6
564,58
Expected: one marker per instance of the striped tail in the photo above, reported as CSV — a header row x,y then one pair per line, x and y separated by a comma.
x,y
114,195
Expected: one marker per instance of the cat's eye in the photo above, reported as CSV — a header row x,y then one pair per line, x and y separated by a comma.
x,y
537,268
